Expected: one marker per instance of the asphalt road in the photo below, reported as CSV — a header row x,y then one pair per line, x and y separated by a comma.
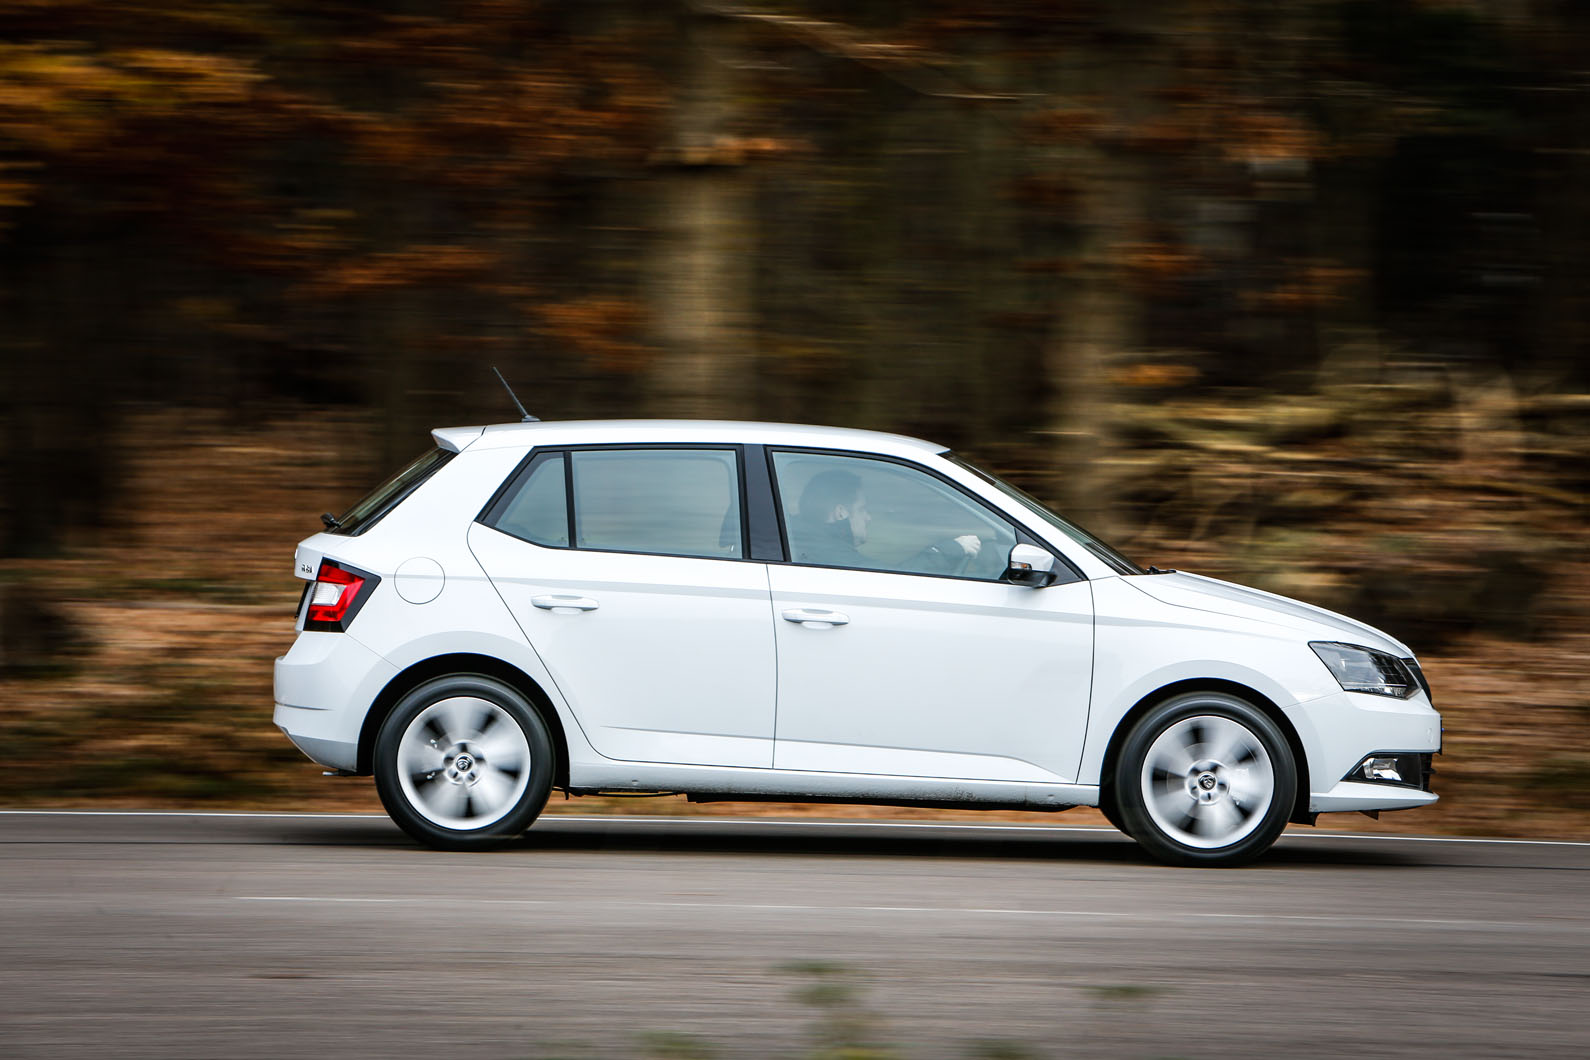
x,y
265,936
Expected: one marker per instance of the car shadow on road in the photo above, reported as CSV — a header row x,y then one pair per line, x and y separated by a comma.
x,y
839,840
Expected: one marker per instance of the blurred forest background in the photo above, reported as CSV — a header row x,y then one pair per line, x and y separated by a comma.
x,y
1292,293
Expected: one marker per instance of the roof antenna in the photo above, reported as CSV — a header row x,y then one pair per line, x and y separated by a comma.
x,y
527,418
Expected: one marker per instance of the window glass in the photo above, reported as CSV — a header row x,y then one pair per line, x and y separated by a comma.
x,y
1112,558
844,511
539,511
676,502
389,494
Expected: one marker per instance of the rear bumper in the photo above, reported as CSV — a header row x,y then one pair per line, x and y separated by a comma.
x,y
324,687
334,754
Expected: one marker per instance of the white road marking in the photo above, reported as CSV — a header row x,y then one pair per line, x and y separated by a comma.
x,y
386,901
774,822
1547,923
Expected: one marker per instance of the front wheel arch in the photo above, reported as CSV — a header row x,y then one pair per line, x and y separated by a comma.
x,y
461,663
1112,752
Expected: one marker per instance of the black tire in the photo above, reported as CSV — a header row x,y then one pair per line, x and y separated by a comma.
x,y
1112,811
464,762
1191,781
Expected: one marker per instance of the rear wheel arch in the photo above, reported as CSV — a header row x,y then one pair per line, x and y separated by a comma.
x,y
462,663
1112,752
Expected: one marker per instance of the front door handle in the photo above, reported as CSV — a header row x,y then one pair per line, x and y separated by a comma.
x,y
560,604
816,617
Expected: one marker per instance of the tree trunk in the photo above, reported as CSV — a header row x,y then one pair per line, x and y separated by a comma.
x,y
700,274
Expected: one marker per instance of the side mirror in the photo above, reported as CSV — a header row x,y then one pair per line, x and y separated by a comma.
x,y
1031,566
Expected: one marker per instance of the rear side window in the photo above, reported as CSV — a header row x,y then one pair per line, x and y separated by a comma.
x,y
674,502
390,494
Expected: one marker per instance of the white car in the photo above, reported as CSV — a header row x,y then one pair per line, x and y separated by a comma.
x,y
745,611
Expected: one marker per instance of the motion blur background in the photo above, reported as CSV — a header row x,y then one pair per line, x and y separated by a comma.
x,y
1287,293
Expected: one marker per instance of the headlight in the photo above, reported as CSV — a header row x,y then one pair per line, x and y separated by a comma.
x,y
1365,670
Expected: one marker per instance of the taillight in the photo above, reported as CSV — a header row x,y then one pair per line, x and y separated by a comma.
x,y
336,596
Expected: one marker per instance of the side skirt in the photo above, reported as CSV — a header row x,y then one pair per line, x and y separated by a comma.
x,y
729,783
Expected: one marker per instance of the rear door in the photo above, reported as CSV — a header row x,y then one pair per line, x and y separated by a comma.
x,y
626,568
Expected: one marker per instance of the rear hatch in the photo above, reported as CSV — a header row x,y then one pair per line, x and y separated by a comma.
x,y
336,589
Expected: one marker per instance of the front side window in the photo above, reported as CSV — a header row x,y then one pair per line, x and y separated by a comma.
x,y
674,502
848,511
1094,544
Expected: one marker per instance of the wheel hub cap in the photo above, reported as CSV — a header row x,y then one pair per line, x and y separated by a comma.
x,y
463,762
1207,781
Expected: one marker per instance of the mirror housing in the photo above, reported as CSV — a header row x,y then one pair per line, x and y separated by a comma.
x,y
1031,566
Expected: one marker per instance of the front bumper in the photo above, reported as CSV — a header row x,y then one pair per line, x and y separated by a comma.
x,y
1341,729
1358,795
324,687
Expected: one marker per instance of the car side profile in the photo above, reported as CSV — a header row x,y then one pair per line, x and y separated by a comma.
x,y
747,611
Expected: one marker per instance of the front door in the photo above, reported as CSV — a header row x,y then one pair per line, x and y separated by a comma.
x,y
900,650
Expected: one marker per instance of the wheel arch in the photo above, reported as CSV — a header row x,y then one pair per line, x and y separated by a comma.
x,y
461,663
1112,753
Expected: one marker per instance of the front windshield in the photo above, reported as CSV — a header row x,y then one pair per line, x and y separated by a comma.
x,y
1110,557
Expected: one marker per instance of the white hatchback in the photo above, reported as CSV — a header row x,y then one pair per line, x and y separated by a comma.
x,y
745,611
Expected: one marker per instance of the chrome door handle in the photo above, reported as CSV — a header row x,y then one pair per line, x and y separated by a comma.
x,y
816,617
560,604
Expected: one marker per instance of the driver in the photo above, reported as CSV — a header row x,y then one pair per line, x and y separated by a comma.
x,y
832,522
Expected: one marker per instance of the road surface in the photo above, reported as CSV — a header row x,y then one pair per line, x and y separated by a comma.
x,y
266,936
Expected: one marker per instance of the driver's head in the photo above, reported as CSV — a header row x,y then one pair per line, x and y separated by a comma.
x,y
834,497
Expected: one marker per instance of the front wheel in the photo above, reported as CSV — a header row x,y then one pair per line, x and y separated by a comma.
x,y
1205,779
464,762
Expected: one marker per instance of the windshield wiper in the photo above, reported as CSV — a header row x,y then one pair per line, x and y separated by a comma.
x,y
1160,570
331,521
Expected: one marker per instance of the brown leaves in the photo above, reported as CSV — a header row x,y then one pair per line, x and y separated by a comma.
x,y
1157,268
1307,285
602,329
410,267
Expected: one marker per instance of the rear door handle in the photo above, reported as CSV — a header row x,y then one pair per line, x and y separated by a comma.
x,y
816,617
560,604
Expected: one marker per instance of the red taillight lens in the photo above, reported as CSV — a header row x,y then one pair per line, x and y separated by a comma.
x,y
336,596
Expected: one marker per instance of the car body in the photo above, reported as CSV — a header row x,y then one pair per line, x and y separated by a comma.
x,y
766,611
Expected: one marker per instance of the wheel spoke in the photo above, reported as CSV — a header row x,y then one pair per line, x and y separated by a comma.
x,y
491,790
1170,758
443,797
1173,801
1251,786
459,718
419,757
1226,742
503,746
1217,819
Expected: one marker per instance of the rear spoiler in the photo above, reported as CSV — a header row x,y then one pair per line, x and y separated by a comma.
x,y
456,439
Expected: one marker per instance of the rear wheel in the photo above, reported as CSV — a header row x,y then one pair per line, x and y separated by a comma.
x,y
1205,779
464,762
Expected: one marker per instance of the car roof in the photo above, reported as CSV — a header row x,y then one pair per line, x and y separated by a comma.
x,y
637,432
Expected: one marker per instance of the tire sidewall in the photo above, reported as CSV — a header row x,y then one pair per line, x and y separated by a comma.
x,y
543,761
1129,790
